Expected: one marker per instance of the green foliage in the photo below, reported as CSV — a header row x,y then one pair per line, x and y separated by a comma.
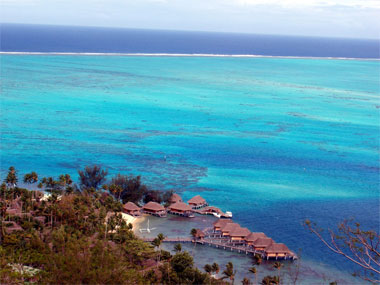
x,y
92,177
270,280
178,247
11,179
80,237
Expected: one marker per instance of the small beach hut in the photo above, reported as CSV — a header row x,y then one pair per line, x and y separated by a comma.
x,y
132,209
262,243
181,209
249,239
154,209
11,227
277,250
197,202
175,198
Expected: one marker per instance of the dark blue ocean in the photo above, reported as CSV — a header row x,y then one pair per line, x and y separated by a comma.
x,y
40,38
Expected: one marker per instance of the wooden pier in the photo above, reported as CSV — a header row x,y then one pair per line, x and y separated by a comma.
x,y
221,245
168,239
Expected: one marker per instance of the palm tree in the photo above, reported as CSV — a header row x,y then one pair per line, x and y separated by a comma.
x,y
246,281
65,180
229,272
178,247
215,267
208,268
278,266
157,243
31,178
254,271
193,232
257,259
11,178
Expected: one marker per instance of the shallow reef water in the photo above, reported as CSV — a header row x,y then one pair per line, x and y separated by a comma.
x,y
274,140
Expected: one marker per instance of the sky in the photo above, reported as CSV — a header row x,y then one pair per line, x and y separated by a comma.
x,y
331,18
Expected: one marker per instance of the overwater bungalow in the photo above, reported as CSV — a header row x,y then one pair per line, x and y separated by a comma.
x,y
175,198
197,202
154,209
277,250
238,235
219,224
262,243
228,228
181,209
199,235
249,239
132,209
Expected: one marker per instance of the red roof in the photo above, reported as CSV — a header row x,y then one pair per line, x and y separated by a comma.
x,y
277,248
263,242
239,232
175,198
130,206
153,206
180,206
255,236
197,200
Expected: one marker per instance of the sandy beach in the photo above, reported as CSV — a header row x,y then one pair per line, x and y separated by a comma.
x,y
132,220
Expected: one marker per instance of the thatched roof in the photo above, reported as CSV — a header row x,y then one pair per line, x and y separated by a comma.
x,y
197,200
239,232
277,248
255,236
229,227
200,233
153,206
175,198
130,206
41,219
222,222
263,242
180,206
12,227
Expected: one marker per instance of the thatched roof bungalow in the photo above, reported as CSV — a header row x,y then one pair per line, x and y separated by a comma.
x,y
228,228
197,202
253,236
181,209
221,223
262,243
277,250
238,234
175,198
154,209
199,234
132,209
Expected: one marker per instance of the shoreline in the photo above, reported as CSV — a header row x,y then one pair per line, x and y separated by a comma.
x,y
184,55
132,220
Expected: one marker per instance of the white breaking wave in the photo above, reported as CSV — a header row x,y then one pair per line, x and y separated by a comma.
x,y
181,55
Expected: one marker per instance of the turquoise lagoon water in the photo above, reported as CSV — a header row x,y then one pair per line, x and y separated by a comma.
x,y
274,140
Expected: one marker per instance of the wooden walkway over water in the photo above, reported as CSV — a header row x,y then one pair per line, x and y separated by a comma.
x,y
218,244
168,239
